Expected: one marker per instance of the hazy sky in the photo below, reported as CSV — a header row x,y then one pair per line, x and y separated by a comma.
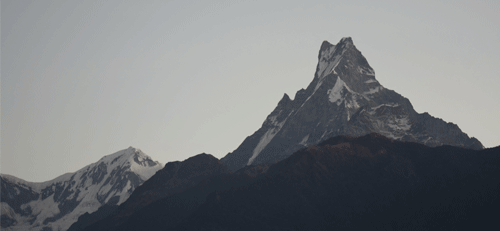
x,y
84,79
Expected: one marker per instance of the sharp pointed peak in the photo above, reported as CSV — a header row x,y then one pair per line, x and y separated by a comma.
x,y
346,40
325,45
284,100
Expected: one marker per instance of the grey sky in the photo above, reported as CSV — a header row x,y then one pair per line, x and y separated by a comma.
x,y
83,79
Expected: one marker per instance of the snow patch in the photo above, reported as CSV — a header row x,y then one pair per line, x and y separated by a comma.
x,y
324,133
371,81
264,141
315,89
352,103
400,124
394,127
104,189
391,135
144,172
5,209
36,186
336,62
43,209
124,192
366,72
373,90
384,105
304,140
335,94
272,119
327,64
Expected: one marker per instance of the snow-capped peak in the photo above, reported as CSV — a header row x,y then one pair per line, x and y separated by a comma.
x,y
344,98
134,158
57,203
328,61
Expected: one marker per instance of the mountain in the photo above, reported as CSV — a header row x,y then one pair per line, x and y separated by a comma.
x,y
56,204
176,177
344,183
362,183
168,212
344,98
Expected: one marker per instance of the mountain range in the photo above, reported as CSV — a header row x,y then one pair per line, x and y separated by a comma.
x,y
263,185
56,204
345,153
344,183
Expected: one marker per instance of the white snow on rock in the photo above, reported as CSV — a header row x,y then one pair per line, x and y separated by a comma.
x,y
45,208
326,66
304,140
269,135
394,126
328,62
335,94
373,90
401,124
373,109
264,141
366,72
82,181
371,81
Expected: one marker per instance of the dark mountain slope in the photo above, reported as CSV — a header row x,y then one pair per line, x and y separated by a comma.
x,y
369,182
175,177
166,213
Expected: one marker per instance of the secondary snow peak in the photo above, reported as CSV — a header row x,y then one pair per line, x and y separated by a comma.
x,y
56,204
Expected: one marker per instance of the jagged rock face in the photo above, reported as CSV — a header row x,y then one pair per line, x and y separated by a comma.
x,y
56,204
344,98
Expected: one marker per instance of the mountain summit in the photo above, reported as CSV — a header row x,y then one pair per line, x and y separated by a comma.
x,y
344,98
56,204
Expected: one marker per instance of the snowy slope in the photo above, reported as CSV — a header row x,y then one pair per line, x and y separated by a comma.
x,y
56,204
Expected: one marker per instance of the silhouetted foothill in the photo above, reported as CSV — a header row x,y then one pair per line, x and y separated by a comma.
x,y
176,177
363,183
